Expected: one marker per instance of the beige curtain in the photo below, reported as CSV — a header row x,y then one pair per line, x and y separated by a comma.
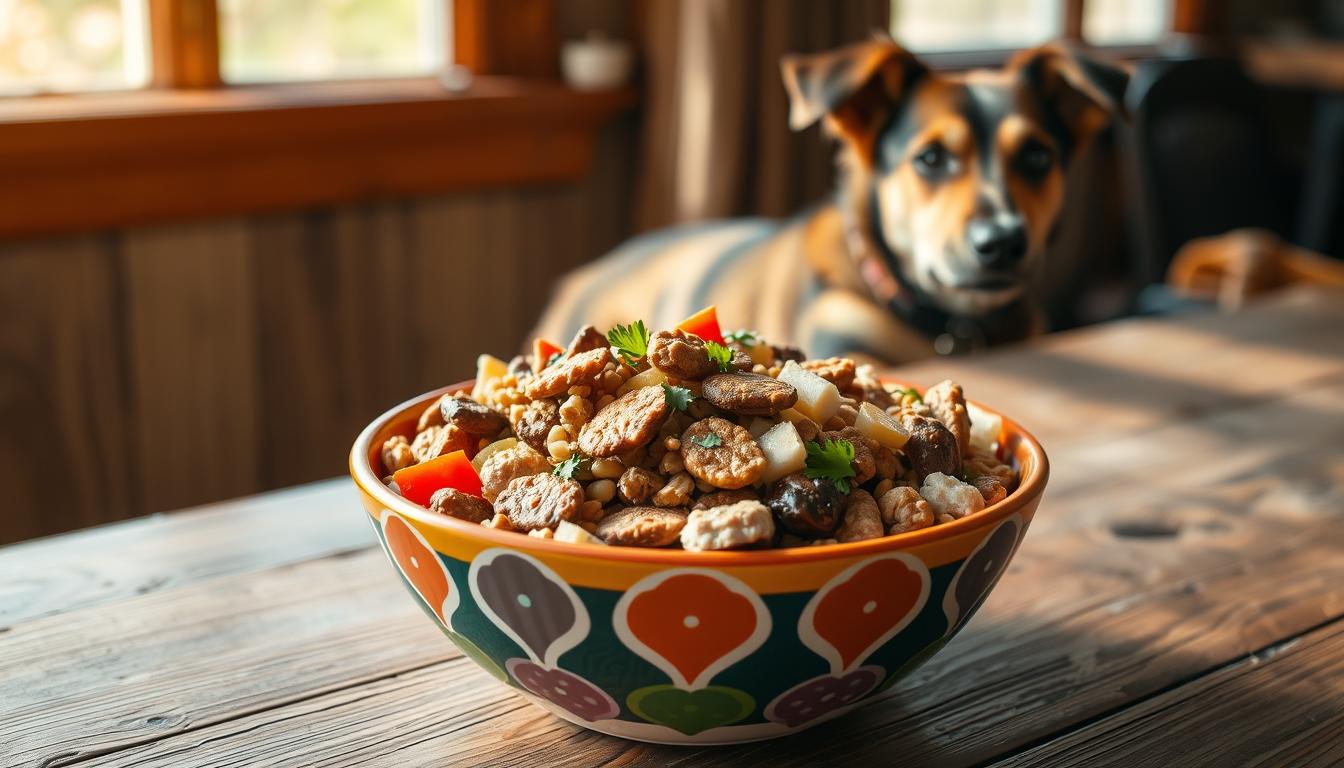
x,y
715,138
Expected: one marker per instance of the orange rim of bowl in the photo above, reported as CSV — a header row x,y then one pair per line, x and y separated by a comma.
x,y
361,469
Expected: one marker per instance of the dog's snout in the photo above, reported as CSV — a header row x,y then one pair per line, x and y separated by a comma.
x,y
998,244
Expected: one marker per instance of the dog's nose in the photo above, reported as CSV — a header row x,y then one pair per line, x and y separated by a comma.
x,y
997,244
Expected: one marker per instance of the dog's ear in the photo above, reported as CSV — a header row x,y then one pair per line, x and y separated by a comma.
x,y
852,87
1069,97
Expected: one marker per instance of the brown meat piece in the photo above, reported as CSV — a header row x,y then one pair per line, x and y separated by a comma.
x,y
724,498
540,501
521,366
785,353
632,420
872,391
637,485
948,404
991,489
749,394
680,355
430,417
586,340
735,462
463,506
503,467
864,463
567,373
903,509
470,416
397,454
837,370
642,526
931,447
536,422
438,441
862,519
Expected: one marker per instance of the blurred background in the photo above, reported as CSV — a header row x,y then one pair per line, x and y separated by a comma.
x,y
234,231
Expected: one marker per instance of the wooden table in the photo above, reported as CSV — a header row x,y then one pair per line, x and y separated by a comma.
x,y
1177,602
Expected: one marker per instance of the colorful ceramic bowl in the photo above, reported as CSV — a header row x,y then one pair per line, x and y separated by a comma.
x,y
695,647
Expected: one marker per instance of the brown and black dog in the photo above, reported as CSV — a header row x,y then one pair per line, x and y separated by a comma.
x,y
952,185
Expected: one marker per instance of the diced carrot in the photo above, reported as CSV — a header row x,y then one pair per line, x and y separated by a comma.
x,y
454,470
704,324
541,353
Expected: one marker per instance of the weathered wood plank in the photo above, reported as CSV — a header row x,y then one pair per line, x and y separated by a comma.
x,y
101,565
193,338
79,684
1277,707
1246,564
64,426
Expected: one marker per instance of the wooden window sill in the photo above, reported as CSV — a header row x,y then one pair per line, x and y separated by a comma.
x,y
91,162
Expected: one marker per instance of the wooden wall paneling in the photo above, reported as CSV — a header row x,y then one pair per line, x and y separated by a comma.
x,y
194,352
64,425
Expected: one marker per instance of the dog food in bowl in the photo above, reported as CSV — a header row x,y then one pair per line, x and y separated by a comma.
x,y
697,439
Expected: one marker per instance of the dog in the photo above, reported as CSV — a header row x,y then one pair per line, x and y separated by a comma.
x,y
934,243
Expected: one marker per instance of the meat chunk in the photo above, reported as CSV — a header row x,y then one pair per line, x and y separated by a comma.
x,y
733,526
540,501
749,394
463,506
629,422
721,453
948,404
642,526
470,416
503,467
680,355
559,377
931,447
536,422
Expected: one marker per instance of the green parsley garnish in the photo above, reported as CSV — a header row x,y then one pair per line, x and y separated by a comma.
x,y
742,336
720,354
678,397
910,391
832,460
568,467
631,341
708,441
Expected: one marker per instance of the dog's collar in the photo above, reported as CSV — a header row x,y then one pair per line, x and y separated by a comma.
x,y
879,269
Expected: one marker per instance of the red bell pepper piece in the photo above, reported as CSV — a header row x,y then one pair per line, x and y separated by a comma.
x,y
541,353
704,324
419,481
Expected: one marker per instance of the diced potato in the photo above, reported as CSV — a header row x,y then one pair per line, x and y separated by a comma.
x,y
759,426
489,370
818,399
491,450
784,452
879,425
761,353
985,427
650,378
567,531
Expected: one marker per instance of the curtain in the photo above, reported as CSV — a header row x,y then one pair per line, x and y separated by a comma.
x,y
715,139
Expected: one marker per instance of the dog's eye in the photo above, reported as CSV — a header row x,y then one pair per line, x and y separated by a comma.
x,y
933,162
1034,160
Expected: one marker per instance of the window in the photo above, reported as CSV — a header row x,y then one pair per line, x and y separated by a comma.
x,y
72,45
939,26
290,40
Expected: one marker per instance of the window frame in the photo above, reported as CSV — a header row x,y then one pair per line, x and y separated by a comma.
x,y
191,145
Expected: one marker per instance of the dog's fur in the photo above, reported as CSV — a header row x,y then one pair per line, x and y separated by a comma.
x,y
951,187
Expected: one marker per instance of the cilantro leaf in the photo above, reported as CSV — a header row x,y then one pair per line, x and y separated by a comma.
x,y
742,336
708,441
832,460
568,467
678,397
720,354
631,341
909,391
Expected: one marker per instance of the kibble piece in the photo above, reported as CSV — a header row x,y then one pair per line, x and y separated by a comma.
x,y
733,461
991,489
948,404
733,526
985,463
637,485
586,340
628,423
560,377
931,447
438,441
862,519
837,370
397,454
903,509
749,394
949,496
540,501
463,506
680,355
676,493
470,416
536,423
503,467
724,498
642,526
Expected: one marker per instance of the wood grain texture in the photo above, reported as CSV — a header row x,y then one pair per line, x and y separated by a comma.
x,y
1214,536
